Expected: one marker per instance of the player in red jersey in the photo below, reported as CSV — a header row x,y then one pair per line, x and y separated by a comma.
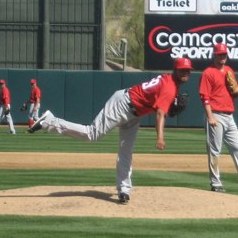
x,y
219,107
124,109
34,101
5,105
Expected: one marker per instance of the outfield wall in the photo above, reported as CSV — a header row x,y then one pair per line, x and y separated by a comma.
x,y
79,95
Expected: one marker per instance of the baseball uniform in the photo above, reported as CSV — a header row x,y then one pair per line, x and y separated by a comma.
x,y
124,110
220,124
5,102
34,100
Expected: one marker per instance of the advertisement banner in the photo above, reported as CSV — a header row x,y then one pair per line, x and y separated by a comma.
x,y
201,7
169,36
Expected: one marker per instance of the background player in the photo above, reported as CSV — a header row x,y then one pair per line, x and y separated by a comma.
x,y
5,105
124,109
219,107
34,101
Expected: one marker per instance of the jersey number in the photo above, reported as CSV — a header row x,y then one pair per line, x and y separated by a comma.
x,y
151,83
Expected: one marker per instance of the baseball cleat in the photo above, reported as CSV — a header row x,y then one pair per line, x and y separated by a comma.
x,y
38,124
123,198
219,189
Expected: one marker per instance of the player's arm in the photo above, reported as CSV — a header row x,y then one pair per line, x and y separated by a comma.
x,y
160,122
205,89
210,116
6,102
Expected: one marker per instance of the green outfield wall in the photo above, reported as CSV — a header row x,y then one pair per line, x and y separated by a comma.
x,y
79,95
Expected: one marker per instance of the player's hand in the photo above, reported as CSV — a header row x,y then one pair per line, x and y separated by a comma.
x,y
212,121
160,144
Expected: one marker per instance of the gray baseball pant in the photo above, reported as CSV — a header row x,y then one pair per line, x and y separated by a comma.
x,y
8,118
33,115
226,131
116,112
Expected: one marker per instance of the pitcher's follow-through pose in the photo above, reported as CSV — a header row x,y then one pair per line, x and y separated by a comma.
x,y
218,87
124,109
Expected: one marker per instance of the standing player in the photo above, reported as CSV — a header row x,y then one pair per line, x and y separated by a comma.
x,y
219,106
34,101
5,101
124,109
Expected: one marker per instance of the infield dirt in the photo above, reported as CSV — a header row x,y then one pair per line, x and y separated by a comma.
x,y
146,202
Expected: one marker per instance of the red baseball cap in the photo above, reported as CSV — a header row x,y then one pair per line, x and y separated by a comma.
x,y
2,81
183,63
219,49
33,81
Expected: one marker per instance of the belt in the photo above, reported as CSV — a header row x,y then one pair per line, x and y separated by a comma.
x,y
131,106
223,112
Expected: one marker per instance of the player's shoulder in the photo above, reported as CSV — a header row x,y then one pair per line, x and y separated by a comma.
x,y
228,68
210,70
166,76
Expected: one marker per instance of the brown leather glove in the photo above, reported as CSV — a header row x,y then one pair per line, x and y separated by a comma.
x,y
231,84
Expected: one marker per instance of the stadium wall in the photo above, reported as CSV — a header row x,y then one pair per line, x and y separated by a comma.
x,y
79,95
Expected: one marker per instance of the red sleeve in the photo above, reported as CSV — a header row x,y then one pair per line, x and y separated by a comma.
x,y
6,96
205,88
37,93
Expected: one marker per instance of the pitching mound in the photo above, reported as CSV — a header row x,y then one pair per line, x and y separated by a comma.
x,y
146,202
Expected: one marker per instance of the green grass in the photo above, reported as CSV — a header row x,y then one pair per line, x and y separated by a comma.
x,y
106,177
62,227
182,141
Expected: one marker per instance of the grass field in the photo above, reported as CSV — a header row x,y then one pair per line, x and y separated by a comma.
x,y
179,141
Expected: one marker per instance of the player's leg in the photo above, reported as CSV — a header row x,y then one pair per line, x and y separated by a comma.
x,y
214,146
10,122
127,137
115,112
230,138
30,115
1,113
35,113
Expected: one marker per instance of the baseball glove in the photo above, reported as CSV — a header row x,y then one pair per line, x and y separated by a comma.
x,y
178,105
23,108
231,83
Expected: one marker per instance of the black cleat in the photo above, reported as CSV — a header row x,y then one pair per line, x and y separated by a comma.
x,y
123,198
218,189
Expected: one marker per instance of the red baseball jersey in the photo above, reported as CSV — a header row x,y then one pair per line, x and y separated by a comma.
x,y
5,97
213,89
159,92
35,93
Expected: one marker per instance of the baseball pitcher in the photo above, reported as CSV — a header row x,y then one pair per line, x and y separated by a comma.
x,y
124,109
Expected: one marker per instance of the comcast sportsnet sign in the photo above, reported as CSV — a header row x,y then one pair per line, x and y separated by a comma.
x,y
196,43
169,36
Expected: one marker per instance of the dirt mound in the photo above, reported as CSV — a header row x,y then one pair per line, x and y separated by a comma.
x,y
146,202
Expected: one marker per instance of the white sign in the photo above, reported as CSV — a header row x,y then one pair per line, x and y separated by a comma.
x,y
200,7
173,5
